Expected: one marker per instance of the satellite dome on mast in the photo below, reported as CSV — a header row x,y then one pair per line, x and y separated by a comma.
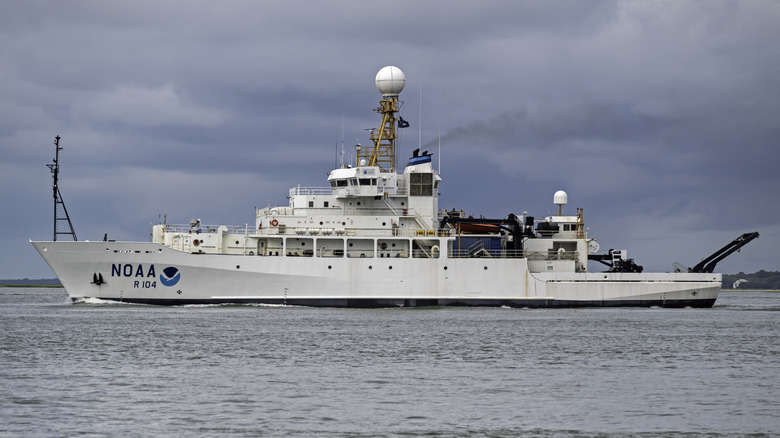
x,y
390,81
560,198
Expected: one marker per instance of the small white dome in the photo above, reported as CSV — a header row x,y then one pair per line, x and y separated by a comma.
x,y
560,198
390,81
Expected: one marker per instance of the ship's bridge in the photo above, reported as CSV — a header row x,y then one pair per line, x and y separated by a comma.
x,y
570,227
362,181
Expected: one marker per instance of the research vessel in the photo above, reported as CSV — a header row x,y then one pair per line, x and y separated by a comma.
x,y
374,236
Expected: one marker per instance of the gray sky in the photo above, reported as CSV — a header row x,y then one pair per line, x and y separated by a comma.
x,y
661,119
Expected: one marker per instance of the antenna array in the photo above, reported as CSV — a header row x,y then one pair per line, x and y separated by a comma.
x,y
55,171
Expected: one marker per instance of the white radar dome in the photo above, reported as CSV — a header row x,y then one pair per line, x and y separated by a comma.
x,y
560,198
390,81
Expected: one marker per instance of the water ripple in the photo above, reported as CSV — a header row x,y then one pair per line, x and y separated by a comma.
x,y
101,369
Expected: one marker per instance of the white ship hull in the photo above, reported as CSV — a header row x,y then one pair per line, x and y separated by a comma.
x,y
134,272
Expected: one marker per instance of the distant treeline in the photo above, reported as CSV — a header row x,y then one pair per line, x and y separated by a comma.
x,y
759,280
28,282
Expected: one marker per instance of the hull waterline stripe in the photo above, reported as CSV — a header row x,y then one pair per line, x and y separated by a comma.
x,y
394,302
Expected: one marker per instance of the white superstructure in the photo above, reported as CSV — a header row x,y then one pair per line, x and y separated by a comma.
x,y
372,237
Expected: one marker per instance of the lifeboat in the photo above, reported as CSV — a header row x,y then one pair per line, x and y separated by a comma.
x,y
477,228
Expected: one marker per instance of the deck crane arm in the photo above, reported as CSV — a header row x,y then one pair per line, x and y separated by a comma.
x,y
707,265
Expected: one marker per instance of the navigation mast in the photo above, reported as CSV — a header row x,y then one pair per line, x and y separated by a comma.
x,y
390,82
55,171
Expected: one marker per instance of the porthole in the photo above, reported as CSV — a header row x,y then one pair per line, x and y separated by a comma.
x,y
389,267
384,223
370,267
320,222
330,267
238,266
445,268
486,268
236,242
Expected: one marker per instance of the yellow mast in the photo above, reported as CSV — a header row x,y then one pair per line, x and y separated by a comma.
x,y
389,81
383,152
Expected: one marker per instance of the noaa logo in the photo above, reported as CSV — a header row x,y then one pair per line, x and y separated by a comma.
x,y
170,276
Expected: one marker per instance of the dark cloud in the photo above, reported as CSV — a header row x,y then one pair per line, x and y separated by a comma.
x,y
659,118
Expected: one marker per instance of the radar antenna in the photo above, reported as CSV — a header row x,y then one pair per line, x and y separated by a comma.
x,y
55,171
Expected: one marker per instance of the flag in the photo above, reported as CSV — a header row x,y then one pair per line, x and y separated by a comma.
x,y
402,123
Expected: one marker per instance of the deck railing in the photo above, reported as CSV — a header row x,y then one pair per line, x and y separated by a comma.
x,y
310,191
232,229
319,191
350,211
486,253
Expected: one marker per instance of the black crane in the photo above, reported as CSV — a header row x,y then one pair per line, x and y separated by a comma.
x,y
707,265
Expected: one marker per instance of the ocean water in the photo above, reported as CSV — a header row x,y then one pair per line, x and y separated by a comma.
x,y
104,369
